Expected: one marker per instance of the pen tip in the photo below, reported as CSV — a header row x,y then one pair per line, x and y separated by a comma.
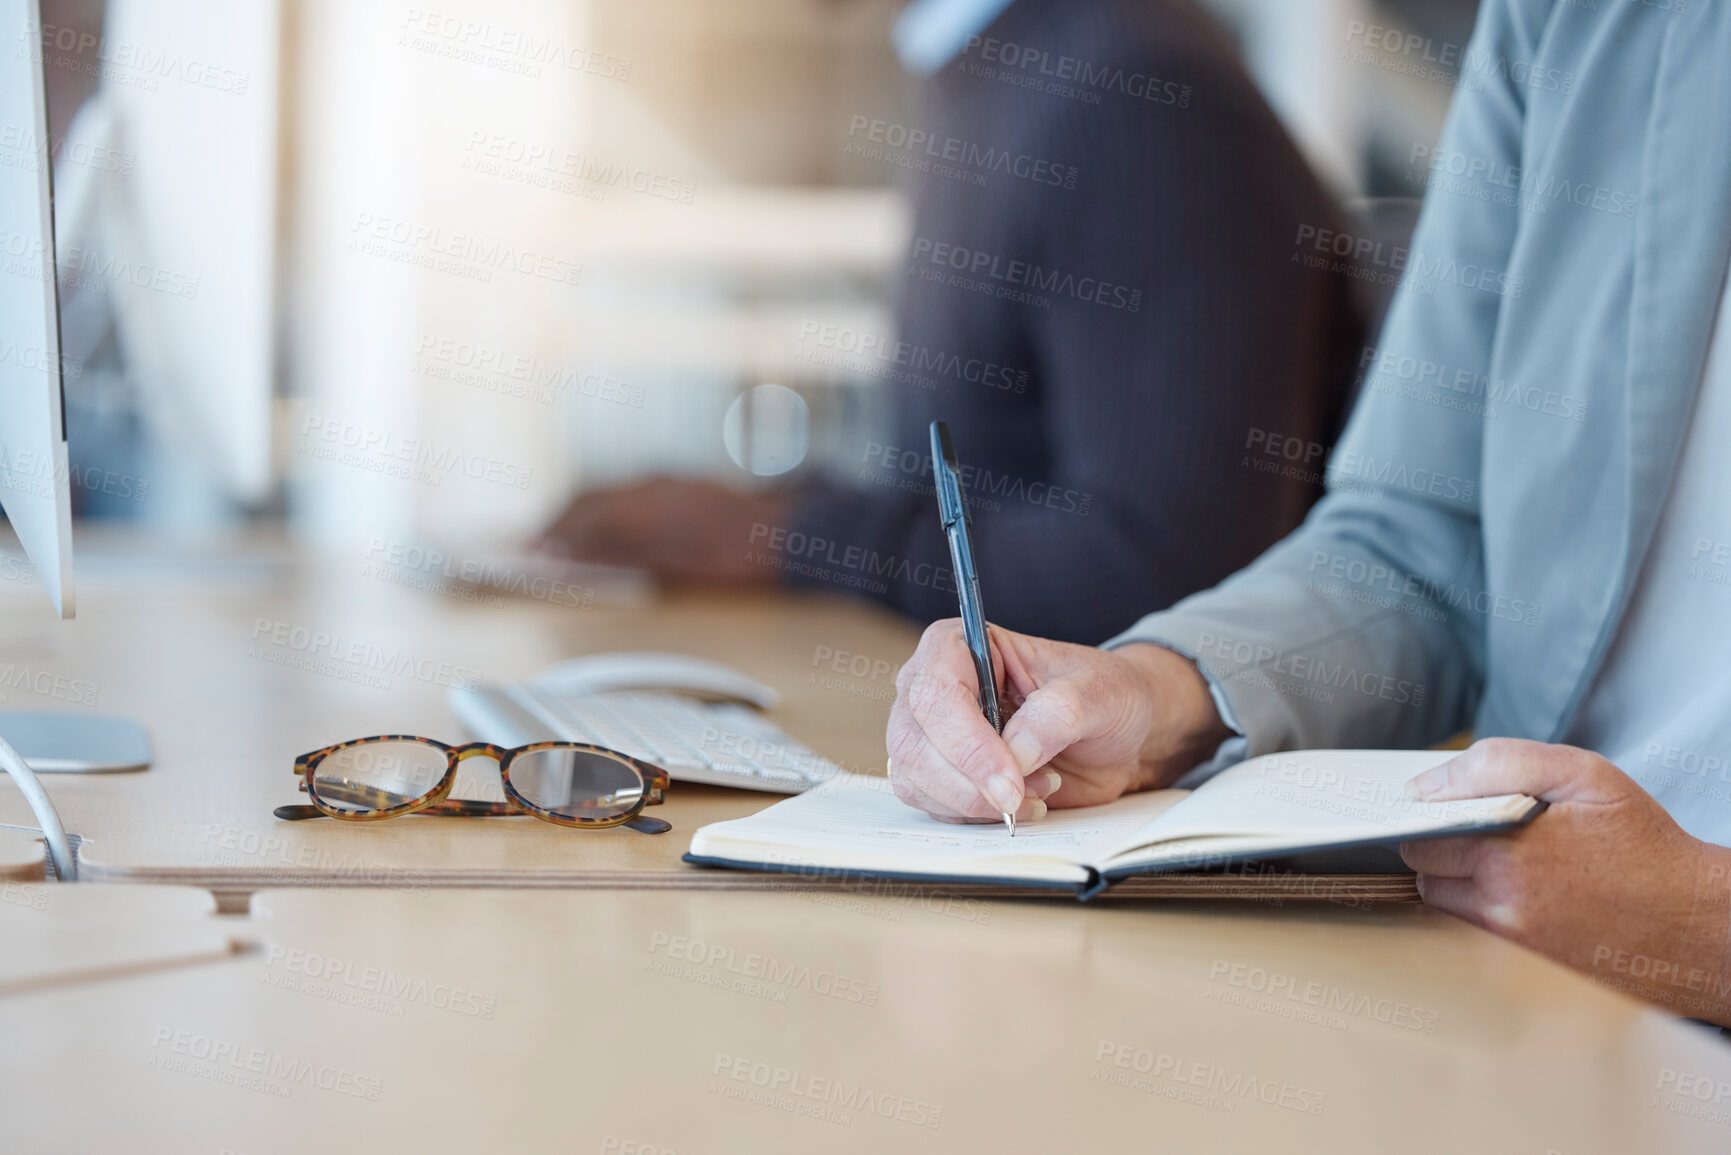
x,y
1010,821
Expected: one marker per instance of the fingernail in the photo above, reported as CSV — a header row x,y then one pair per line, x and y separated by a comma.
x,y
1427,783
1043,784
1005,793
1032,811
1026,750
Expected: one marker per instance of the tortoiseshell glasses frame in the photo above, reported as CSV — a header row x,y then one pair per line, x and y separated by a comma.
x,y
363,802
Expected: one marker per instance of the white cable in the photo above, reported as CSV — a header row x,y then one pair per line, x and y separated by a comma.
x,y
58,848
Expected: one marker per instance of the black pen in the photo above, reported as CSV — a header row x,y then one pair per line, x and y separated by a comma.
x,y
954,515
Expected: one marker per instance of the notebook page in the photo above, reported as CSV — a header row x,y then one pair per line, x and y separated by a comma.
x,y
1313,797
856,822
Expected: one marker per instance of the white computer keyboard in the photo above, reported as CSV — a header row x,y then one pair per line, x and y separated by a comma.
x,y
694,741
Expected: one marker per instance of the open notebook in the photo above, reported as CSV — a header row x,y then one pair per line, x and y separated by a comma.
x,y
1278,804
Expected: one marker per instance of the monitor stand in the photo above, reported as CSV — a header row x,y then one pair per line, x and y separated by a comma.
x,y
63,743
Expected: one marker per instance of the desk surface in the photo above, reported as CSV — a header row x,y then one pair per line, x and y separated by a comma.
x,y
58,934
529,1021
228,708
22,855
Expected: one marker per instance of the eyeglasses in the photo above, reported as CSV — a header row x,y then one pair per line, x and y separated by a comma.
x,y
566,783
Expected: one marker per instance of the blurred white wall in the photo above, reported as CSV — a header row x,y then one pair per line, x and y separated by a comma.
x,y
400,245
552,241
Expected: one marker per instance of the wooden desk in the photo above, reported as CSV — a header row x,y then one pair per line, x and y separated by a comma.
x,y
61,935
185,644
22,855
522,1021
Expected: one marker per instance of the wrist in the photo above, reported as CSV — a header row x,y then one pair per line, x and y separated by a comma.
x,y
1184,728
1708,922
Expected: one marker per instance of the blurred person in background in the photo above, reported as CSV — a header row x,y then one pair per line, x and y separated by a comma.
x,y
1115,322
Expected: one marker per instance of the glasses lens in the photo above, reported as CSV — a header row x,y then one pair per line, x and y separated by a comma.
x,y
576,783
378,775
